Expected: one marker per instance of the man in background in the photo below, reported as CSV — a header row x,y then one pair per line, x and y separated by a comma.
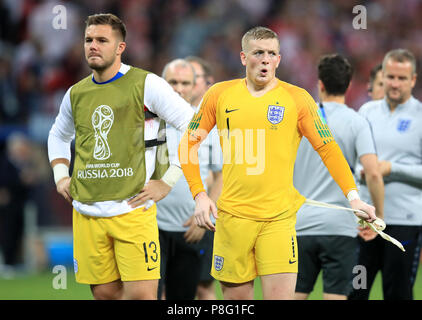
x,y
183,244
396,123
327,237
203,81
375,85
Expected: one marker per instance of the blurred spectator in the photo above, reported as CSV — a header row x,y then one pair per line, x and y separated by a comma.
x,y
24,176
6,25
55,42
10,110
15,180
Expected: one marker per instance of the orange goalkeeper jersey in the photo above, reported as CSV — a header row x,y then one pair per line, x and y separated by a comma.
x,y
259,137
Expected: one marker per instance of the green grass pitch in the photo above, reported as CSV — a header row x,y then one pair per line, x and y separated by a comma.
x,y
40,287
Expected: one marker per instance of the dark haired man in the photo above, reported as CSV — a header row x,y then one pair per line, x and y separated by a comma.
x,y
326,237
114,115
375,85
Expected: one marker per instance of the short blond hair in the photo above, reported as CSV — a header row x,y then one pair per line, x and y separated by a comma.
x,y
259,33
400,55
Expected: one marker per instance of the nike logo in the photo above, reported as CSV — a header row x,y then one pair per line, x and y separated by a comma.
x,y
228,111
290,261
150,269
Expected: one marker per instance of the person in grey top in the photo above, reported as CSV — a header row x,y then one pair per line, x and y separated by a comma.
x,y
396,123
182,242
375,84
327,237
204,79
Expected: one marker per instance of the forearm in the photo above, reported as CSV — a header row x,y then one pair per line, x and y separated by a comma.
x,y
60,168
198,129
375,186
338,167
411,173
60,136
59,156
188,157
172,175
215,187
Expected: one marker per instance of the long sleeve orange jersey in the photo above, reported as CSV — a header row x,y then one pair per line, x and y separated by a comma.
x,y
259,137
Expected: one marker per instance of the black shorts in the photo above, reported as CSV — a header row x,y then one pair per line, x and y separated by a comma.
x,y
398,268
334,255
206,245
180,266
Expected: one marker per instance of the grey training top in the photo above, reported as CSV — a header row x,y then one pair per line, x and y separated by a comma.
x,y
178,206
312,179
398,139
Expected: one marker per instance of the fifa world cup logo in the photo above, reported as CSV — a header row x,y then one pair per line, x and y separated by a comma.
x,y
102,120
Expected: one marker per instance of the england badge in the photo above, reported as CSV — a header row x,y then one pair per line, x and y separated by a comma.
x,y
275,114
218,262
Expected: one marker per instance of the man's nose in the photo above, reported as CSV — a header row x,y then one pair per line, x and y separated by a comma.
x,y
395,83
266,58
178,88
181,89
93,45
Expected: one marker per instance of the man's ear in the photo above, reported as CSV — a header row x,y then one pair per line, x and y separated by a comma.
x,y
121,48
209,80
243,58
414,77
321,86
279,59
321,90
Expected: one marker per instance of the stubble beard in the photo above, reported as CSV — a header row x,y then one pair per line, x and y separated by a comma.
x,y
396,101
100,67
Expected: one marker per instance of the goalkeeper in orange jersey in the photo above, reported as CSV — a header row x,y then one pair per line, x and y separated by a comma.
x,y
261,121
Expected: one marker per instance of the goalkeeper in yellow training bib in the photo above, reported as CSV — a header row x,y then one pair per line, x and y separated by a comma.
x,y
116,115
261,121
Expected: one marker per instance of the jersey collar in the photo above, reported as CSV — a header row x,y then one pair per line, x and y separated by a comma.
x,y
122,71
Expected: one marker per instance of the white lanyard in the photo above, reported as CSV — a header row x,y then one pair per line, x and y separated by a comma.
x,y
378,225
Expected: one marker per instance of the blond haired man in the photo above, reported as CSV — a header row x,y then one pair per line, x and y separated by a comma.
x,y
261,121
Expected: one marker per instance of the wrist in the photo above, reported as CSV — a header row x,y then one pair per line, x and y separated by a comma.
x,y
353,195
199,195
172,175
60,171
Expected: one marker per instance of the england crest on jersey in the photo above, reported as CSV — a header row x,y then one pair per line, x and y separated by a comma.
x,y
218,262
275,114
403,125
75,265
